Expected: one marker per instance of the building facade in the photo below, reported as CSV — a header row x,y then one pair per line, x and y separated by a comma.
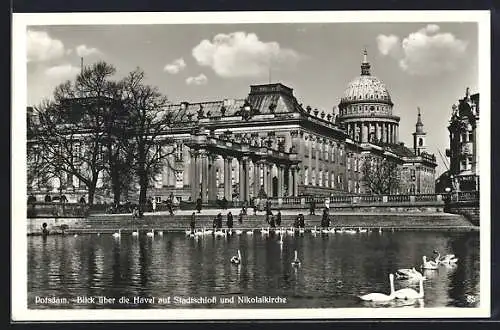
x,y
463,152
269,144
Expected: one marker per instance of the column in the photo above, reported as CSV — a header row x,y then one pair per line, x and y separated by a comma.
x,y
270,180
394,134
204,175
397,133
227,178
195,176
290,181
241,180
364,129
377,131
246,178
256,178
212,180
280,180
295,172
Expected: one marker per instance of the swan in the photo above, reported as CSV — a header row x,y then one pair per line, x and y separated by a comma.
x,y
264,231
238,231
75,235
350,231
200,232
380,230
332,230
135,233
409,274
296,261
314,230
429,264
98,234
236,259
381,296
188,232
408,293
208,231
447,259
290,231
117,234
151,233
325,231
250,232
361,230
302,230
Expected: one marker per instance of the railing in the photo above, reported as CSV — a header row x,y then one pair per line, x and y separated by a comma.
x,y
398,198
425,198
56,210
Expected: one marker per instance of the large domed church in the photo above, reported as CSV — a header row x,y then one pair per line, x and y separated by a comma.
x,y
366,109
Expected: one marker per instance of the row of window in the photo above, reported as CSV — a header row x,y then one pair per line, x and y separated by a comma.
x,y
323,179
362,109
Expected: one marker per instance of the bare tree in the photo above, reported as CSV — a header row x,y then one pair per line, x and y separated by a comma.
x,y
380,175
70,131
148,146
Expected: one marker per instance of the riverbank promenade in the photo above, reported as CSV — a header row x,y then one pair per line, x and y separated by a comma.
x,y
180,221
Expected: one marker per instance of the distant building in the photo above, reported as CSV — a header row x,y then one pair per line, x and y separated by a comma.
x,y
463,173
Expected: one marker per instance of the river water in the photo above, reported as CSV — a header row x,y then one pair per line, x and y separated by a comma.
x,y
179,271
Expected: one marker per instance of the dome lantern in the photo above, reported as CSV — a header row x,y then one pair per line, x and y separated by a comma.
x,y
365,65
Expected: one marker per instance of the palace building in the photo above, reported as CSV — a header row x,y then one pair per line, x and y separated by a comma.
x,y
270,144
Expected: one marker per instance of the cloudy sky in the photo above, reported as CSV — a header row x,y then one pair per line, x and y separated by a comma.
x,y
425,65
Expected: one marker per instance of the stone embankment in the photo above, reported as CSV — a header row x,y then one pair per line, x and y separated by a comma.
x,y
103,223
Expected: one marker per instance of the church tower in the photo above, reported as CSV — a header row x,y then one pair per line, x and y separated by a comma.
x,y
419,136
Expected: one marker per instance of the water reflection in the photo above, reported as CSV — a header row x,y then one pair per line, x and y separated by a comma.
x,y
335,268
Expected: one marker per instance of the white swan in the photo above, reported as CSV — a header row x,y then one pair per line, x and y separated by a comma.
x,y
446,259
208,231
379,297
117,234
314,230
238,231
75,235
236,259
429,264
135,233
290,231
332,230
296,261
408,293
264,231
301,230
325,231
250,232
350,231
380,230
409,274
188,232
151,233
361,230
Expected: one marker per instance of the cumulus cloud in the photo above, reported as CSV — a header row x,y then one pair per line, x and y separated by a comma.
x,y
83,50
387,44
41,47
200,79
239,54
175,67
425,52
62,72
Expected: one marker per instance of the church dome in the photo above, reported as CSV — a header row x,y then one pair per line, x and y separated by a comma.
x,y
366,88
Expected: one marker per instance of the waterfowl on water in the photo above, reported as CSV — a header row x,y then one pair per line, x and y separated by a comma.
x,y
296,261
380,297
236,259
117,234
151,233
429,264
408,293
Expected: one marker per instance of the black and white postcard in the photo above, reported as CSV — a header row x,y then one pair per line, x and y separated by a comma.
x,y
251,165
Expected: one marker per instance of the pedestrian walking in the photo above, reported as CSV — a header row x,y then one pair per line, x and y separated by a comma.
x,y
278,218
198,205
219,221
192,223
229,222
312,206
